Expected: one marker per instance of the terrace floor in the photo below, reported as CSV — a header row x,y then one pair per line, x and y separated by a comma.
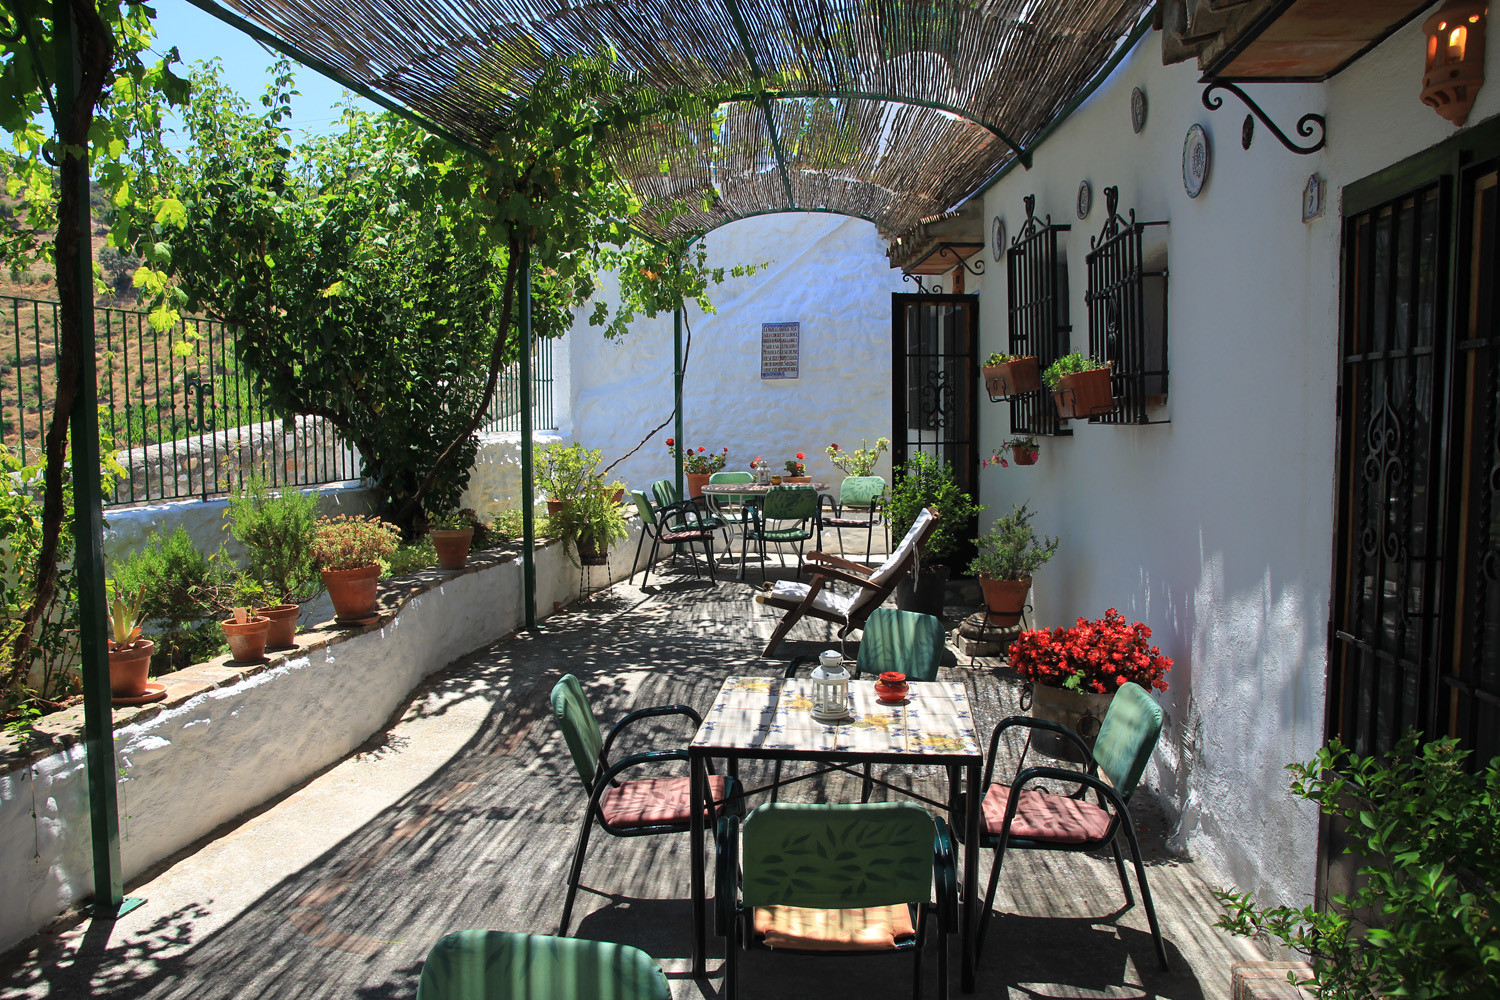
x,y
463,813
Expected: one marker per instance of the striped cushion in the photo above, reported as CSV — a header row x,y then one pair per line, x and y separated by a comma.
x,y
873,928
653,801
1042,816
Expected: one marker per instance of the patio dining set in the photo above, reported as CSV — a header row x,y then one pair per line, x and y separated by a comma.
x,y
785,514
842,878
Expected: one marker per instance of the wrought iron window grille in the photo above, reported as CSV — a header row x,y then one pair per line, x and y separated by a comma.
x,y
1036,274
1127,307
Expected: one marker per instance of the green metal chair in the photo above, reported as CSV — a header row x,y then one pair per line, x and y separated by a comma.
x,y
664,491
783,517
496,965
636,807
860,505
1015,816
835,880
907,641
732,511
657,525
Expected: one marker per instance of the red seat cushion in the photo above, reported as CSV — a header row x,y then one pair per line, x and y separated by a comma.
x,y
690,535
653,801
872,928
1043,816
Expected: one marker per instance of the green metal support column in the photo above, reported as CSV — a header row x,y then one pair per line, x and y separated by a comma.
x,y
528,479
88,530
677,396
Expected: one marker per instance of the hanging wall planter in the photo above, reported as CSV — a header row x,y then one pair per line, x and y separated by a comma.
x,y
1081,387
1012,377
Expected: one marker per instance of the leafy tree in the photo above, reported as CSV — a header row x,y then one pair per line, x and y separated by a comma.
x,y
112,115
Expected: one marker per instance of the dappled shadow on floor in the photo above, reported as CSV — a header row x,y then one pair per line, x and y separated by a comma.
x,y
486,839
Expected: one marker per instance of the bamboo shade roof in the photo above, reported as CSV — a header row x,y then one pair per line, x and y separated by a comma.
x,y
887,110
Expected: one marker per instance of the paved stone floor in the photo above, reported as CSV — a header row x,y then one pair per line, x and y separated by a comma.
x,y
463,813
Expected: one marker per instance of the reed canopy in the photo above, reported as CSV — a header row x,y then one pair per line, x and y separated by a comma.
x,y
890,111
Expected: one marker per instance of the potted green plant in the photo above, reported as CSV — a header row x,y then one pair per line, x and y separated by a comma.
x,y
246,634
452,533
859,462
1080,386
591,526
1022,450
348,552
926,481
1074,672
698,465
564,471
1008,555
796,470
276,530
129,654
1011,374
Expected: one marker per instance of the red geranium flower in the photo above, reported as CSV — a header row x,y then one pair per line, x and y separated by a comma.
x,y
800,456
670,442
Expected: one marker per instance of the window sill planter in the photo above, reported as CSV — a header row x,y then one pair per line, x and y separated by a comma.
x,y
452,546
1084,394
1012,378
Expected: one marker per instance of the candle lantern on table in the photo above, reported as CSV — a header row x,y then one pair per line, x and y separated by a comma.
x,y
830,687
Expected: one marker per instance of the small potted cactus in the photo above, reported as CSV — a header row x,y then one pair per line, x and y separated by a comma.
x,y
129,654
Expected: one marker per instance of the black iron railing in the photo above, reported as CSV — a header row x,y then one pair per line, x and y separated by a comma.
x,y
185,419
1036,275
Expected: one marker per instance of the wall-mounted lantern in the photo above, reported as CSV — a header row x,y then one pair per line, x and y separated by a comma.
x,y
1455,58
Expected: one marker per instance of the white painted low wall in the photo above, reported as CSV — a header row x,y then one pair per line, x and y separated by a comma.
x,y
197,764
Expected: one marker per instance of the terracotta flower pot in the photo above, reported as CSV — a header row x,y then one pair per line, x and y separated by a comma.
x,y
247,639
1081,712
1013,377
1024,456
556,507
796,479
1084,394
283,632
452,546
352,592
130,668
695,483
1004,600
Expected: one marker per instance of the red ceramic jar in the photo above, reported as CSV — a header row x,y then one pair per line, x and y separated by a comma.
x,y
891,688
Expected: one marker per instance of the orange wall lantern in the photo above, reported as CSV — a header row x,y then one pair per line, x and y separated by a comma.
x,y
1455,58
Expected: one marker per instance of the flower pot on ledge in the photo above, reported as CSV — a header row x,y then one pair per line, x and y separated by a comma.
x,y
247,639
283,632
352,592
130,668
452,546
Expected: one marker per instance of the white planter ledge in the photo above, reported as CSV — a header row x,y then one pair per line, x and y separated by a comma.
x,y
228,738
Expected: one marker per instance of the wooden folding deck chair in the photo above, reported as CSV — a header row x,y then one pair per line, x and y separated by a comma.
x,y
873,585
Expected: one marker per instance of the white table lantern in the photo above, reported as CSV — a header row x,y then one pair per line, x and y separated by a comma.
x,y
830,687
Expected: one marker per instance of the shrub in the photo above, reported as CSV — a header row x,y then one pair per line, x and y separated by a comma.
x,y
346,542
562,470
277,530
183,591
1431,831
1011,549
412,557
925,481
860,461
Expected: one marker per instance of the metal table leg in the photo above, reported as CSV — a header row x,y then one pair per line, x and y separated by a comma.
x,y
698,792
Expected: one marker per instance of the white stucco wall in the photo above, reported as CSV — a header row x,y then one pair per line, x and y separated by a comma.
x,y
199,764
828,273
1216,528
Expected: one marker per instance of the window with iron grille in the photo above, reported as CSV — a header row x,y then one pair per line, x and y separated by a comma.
x,y
1036,276
1127,303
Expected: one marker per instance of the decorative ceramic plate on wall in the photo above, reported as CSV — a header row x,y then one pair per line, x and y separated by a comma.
x,y
1085,199
997,238
1137,110
1195,161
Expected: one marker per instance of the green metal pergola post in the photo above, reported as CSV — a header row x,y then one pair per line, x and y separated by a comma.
x,y
677,395
528,479
88,527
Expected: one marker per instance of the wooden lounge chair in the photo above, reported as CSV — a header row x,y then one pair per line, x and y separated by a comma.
x,y
873,584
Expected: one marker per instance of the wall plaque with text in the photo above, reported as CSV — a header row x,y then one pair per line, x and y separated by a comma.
x,y
779,349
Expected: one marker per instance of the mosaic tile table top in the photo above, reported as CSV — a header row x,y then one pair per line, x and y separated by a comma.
x,y
755,714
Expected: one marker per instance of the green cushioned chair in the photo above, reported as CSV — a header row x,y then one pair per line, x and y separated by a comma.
x,y
860,506
786,514
677,525
625,807
907,641
1016,816
731,510
495,965
835,880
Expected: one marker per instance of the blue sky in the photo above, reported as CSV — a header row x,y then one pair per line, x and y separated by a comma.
x,y
199,36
